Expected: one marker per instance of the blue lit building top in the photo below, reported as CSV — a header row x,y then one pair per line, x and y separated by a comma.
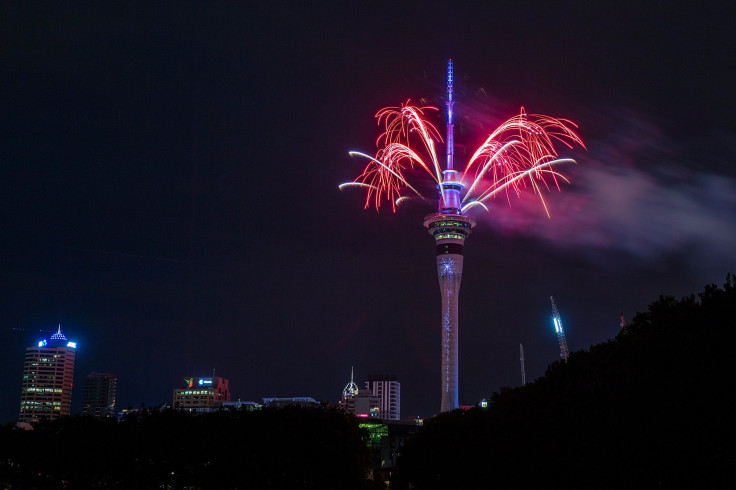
x,y
57,340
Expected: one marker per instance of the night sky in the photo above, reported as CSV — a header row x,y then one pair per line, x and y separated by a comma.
x,y
169,187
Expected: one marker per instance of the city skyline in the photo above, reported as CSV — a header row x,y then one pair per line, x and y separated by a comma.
x,y
49,374
169,188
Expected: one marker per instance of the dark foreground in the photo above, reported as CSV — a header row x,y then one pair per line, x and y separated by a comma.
x,y
648,409
290,447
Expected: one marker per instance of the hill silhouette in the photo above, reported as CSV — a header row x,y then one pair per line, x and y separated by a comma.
x,y
646,409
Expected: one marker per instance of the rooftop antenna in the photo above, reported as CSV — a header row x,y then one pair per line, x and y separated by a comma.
x,y
351,389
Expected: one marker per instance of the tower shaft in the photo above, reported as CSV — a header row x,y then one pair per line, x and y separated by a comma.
x,y
449,273
450,232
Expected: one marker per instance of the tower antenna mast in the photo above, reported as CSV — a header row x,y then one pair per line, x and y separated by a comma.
x,y
450,123
564,353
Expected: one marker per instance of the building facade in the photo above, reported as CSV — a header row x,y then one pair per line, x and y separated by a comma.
x,y
388,391
48,377
202,394
99,395
364,404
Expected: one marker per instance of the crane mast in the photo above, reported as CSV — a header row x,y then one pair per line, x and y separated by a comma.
x,y
557,320
521,359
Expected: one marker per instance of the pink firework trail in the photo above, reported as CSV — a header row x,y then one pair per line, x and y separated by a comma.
x,y
520,153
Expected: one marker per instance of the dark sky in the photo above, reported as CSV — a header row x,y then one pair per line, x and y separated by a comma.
x,y
169,187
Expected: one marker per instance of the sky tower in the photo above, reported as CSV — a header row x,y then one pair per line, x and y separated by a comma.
x,y
450,227
519,154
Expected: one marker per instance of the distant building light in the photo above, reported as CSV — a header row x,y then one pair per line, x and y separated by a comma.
x,y
73,345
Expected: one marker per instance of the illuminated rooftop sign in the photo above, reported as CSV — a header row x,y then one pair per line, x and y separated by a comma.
x,y
205,381
58,340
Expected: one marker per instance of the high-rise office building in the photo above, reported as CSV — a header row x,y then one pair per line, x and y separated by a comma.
x,y
201,394
48,376
388,391
99,395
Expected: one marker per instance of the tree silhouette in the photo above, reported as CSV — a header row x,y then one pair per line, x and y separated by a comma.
x,y
646,409
291,447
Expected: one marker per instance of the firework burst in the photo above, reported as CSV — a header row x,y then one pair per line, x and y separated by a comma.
x,y
519,154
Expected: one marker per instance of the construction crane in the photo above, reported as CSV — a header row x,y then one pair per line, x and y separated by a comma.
x,y
521,358
564,353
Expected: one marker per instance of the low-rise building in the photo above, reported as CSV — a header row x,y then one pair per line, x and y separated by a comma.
x,y
364,404
202,394
301,401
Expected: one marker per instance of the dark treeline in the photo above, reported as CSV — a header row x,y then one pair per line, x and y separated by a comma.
x,y
647,409
289,447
